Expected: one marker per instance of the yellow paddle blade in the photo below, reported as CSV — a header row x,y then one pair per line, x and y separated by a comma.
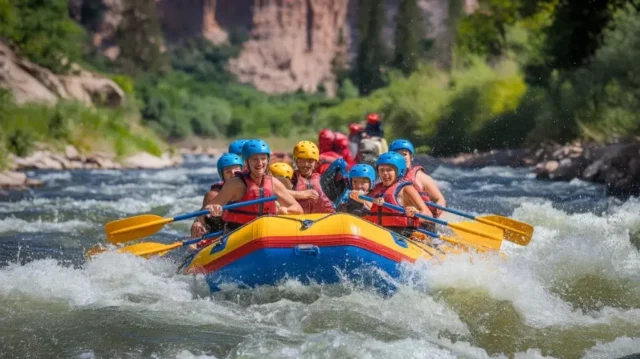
x,y
478,234
514,231
130,229
147,249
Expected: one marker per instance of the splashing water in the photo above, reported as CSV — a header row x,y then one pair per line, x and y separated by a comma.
x,y
573,292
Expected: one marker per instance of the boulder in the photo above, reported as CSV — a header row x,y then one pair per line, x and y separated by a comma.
x,y
29,82
17,180
146,160
72,154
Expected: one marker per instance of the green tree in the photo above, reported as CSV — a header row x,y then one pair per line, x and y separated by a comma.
x,y
43,31
408,51
140,38
576,31
372,51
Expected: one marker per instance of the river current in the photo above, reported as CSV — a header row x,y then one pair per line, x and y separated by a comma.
x,y
573,292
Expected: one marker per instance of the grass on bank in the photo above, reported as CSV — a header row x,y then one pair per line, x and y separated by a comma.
x,y
88,129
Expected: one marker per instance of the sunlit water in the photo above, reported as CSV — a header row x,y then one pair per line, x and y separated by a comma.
x,y
573,292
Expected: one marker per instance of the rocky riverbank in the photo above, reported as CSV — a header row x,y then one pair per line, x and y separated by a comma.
x,y
615,165
71,159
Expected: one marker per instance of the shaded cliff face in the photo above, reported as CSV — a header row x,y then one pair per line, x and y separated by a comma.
x,y
293,44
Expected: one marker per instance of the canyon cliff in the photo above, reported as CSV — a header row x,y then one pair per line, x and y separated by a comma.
x,y
293,44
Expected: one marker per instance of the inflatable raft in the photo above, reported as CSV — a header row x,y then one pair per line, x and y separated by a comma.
x,y
317,248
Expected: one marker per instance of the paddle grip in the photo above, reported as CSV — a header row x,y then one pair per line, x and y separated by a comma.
x,y
206,236
401,210
462,214
429,233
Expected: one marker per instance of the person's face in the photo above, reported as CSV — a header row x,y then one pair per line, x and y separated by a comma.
x,y
360,184
387,174
305,166
407,156
258,164
228,172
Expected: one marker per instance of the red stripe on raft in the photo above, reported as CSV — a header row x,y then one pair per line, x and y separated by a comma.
x,y
292,241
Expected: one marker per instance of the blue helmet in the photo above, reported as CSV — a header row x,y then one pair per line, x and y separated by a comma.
x,y
393,159
226,160
402,144
236,147
254,147
362,170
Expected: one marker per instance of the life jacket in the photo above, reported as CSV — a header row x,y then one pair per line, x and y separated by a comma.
x,y
246,214
369,149
411,177
322,204
388,217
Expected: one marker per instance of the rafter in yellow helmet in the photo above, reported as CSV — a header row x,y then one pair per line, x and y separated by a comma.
x,y
306,150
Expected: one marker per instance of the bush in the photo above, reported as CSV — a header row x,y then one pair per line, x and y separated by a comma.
x,y
125,83
43,31
21,142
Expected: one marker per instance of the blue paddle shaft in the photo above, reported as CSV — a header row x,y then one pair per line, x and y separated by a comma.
x,y
196,240
462,214
401,210
429,233
225,207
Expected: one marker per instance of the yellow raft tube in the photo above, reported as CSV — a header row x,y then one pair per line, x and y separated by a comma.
x,y
308,247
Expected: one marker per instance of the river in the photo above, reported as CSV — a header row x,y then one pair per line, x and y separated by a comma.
x,y
573,292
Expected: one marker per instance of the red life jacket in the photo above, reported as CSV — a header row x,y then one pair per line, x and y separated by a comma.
x,y
325,161
254,191
388,217
322,204
411,177
217,186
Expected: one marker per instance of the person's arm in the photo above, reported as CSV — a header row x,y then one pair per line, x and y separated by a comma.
x,y
288,204
306,194
413,202
430,186
233,190
199,226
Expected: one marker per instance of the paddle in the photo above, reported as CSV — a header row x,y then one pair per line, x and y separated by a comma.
x,y
473,234
130,229
147,249
514,231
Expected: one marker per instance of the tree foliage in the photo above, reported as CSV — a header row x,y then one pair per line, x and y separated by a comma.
x,y
42,31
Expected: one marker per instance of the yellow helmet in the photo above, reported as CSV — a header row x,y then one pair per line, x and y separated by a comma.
x,y
306,150
281,169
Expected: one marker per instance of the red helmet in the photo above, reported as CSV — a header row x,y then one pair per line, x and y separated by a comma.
x,y
373,118
355,128
325,140
341,141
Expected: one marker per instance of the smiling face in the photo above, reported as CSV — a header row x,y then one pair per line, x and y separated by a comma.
x,y
360,184
228,172
407,156
305,166
388,174
258,164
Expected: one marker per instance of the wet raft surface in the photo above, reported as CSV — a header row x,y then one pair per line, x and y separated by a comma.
x,y
573,292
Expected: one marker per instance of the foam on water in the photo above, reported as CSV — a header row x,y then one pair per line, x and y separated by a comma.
x,y
293,320
12,224
615,349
